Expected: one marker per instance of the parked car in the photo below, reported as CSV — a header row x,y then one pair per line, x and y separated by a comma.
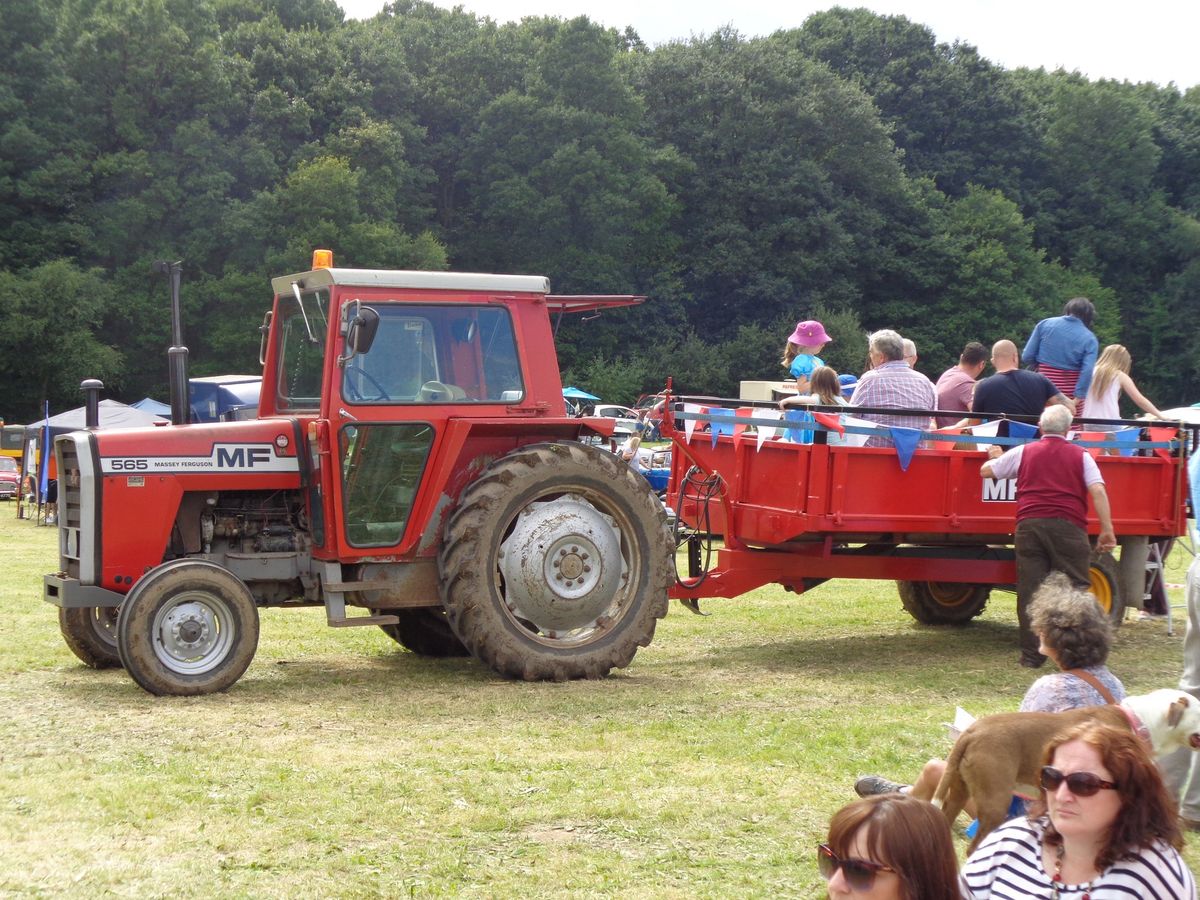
x,y
10,477
627,419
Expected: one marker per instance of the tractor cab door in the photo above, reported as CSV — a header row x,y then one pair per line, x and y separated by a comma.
x,y
405,371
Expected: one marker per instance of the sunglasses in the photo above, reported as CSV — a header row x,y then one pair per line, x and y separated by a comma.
x,y
859,874
1081,784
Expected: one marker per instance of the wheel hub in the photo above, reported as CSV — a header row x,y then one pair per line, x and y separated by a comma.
x,y
562,565
193,634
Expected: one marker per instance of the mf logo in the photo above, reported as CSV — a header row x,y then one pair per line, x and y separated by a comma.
x,y
242,457
999,490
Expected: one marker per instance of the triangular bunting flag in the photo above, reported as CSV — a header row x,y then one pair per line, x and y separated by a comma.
x,y
987,429
689,425
906,441
1022,430
798,435
1162,434
832,421
766,432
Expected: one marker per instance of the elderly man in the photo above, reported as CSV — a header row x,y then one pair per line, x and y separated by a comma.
x,y
910,353
892,384
1054,480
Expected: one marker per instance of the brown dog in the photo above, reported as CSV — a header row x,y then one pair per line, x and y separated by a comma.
x,y
998,753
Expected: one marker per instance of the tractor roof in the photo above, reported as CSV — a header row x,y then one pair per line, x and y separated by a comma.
x,y
400,278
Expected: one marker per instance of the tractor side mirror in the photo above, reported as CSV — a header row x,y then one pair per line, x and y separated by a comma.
x,y
361,327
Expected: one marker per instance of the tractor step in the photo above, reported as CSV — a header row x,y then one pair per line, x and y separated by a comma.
x,y
353,621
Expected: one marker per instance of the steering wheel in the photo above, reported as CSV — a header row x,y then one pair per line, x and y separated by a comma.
x,y
433,392
353,389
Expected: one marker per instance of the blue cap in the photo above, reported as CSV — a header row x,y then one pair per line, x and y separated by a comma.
x,y
847,380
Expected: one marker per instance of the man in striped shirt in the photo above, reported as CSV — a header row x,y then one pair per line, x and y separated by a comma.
x,y
892,384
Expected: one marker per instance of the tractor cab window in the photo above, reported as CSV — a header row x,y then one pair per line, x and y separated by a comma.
x,y
302,327
436,354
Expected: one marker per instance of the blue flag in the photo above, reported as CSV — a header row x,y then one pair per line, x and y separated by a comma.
x,y
1022,430
905,441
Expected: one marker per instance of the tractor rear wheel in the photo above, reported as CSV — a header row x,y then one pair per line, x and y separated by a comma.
x,y
91,633
943,602
556,563
188,627
1104,584
424,631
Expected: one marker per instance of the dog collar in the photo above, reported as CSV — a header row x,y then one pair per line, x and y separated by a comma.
x,y
1138,726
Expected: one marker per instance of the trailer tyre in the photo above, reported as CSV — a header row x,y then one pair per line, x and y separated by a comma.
x,y
556,563
1105,585
943,602
91,633
188,627
424,631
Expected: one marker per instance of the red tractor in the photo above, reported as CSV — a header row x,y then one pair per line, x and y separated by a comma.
x,y
412,456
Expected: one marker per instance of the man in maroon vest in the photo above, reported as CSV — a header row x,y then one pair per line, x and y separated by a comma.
x,y
1054,480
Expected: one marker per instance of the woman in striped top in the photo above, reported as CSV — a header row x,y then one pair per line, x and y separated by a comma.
x,y
1064,350
1105,827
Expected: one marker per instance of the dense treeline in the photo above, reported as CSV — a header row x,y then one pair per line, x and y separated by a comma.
x,y
853,170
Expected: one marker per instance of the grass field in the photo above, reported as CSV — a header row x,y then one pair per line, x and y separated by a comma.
x,y
341,765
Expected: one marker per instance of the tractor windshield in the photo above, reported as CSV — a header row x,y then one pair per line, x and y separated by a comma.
x,y
301,329
448,353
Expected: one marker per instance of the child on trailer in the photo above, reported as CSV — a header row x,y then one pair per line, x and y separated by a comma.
x,y
1109,379
800,355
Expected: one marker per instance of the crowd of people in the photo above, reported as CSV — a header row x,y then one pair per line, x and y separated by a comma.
x,y
1065,368
1104,822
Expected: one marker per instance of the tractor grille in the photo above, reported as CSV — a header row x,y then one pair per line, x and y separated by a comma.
x,y
69,505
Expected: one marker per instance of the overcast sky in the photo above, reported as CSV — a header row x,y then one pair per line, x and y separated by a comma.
x,y
1136,40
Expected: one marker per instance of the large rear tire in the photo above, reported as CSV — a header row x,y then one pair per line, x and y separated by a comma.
x,y
424,631
188,627
943,602
91,633
556,563
1105,585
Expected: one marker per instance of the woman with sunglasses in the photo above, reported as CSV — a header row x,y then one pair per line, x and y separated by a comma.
x,y
1104,827
890,847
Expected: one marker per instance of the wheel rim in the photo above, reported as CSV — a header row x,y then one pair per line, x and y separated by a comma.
x,y
104,624
193,633
950,594
564,569
1101,589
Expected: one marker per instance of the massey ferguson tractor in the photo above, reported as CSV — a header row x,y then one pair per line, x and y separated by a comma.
x,y
412,457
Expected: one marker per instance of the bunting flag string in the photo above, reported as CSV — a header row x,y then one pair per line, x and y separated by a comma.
x,y
689,424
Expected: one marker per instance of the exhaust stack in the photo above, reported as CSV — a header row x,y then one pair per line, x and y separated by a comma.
x,y
177,354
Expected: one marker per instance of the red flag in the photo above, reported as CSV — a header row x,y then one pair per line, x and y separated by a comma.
x,y
1162,434
832,421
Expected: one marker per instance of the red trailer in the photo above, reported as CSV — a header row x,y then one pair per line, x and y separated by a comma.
x,y
754,512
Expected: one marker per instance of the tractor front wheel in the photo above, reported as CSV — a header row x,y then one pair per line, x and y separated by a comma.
x,y
91,633
943,602
556,563
188,627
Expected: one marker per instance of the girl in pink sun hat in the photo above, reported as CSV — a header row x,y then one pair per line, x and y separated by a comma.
x,y
800,355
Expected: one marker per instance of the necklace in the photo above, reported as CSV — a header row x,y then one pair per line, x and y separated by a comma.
x,y
1057,880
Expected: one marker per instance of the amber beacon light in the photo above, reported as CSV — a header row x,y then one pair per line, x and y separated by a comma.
x,y
322,259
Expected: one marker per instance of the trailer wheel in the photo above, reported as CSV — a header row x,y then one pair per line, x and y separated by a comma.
x,y
424,631
556,563
1105,586
943,602
91,633
188,627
